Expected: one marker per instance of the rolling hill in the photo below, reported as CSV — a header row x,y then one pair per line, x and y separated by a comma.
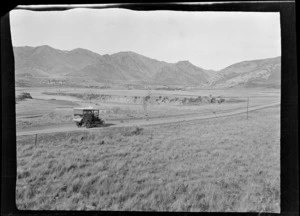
x,y
255,73
123,67
84,66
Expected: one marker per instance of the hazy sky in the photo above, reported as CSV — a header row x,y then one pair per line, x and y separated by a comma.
x,y
211,40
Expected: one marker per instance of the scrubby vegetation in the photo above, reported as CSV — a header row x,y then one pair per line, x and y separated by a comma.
x,y
22,83
149,99
23,96
214,165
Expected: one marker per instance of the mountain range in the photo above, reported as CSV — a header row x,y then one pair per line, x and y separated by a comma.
x,y
81,65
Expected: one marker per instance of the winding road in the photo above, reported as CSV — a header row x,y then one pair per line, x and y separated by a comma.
x,y
140,122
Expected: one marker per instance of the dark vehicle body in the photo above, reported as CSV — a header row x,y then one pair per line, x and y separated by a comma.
x,y
87,117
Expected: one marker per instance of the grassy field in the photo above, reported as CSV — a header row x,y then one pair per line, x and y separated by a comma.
x,y
37,112
45,112
226,164
235,92
30,107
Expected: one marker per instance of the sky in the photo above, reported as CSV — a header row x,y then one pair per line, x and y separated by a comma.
x,y
210,40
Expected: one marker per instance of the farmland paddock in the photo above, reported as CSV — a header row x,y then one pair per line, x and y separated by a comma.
x,y
227,164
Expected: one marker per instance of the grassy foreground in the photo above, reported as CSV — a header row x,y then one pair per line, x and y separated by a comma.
x,y
226,164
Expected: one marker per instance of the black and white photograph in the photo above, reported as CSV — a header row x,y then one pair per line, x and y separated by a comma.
x,y
154,110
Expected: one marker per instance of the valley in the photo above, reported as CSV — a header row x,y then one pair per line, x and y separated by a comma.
x,y
212,140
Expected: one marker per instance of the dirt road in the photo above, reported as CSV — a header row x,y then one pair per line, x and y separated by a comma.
x,y
140,122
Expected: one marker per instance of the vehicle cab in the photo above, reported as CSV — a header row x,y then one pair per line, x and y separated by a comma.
x,y
86,116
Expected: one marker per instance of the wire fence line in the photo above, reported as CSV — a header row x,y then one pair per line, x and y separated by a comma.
x,y
196,121
245,99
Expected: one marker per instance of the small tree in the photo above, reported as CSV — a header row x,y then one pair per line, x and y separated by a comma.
x,y
23,96
145,103
221,100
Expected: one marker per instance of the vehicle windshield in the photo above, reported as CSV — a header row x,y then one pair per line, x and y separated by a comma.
x,y
96,113
87,112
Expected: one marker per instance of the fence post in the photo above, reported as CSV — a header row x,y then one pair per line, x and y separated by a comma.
x,y
247,106
35,139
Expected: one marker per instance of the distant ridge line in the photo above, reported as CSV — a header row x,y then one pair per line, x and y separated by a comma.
x,y
79,48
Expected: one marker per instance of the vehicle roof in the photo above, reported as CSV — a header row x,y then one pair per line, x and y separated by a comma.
x,y
85,108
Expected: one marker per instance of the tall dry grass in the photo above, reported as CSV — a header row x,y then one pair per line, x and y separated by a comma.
x,y
54,117
227,164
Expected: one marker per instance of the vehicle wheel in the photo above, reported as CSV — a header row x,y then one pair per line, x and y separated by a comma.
x,y
88,124
78,124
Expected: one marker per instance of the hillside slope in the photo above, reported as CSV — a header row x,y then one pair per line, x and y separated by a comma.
x,y
255,73
33,64
123,67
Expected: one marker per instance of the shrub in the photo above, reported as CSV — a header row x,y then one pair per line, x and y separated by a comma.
x,y
165,99
194,100
147,97
90,96
222,100
136,131
205,99
23,96
213,100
